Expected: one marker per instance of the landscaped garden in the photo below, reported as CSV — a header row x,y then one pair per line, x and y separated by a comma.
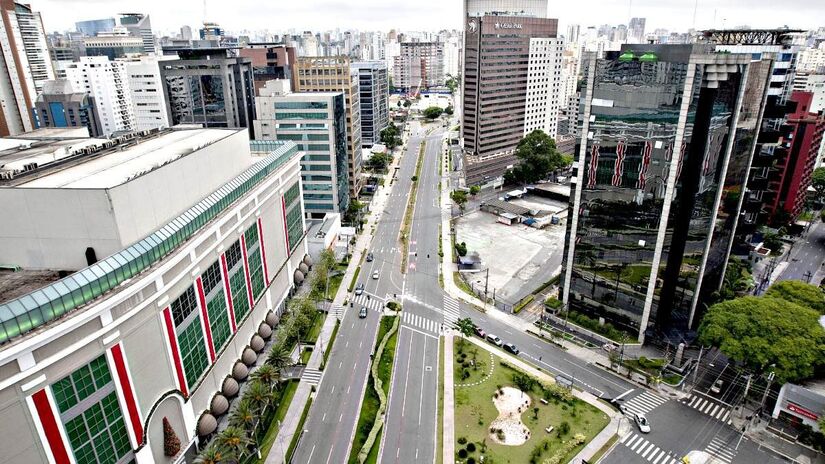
x,y
507,416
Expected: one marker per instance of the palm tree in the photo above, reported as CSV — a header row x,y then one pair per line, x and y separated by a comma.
x,y
234,442
244,416
267,375
212,454
279,357
259,395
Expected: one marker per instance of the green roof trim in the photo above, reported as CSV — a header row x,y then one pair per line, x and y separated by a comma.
x,y
627,56
649,57
37,308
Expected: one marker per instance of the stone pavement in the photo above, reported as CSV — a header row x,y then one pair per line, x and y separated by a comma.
x,y
448,439
296,408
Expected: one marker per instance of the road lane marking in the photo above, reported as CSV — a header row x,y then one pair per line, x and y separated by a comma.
x,y
309,459
421,396
406,378
324,417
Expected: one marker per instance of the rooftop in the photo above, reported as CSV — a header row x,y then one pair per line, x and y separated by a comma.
x,y
97,163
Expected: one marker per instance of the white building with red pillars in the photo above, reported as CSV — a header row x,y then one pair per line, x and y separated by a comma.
x,y
139,275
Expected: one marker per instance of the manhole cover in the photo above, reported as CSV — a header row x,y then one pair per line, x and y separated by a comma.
x,y
428,368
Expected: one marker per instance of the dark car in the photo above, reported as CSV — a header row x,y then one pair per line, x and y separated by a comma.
x,y
511,348
369,257
362,313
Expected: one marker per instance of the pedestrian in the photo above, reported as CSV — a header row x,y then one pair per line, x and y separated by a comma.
x,y
539,358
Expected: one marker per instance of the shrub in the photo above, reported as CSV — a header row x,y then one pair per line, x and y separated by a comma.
x,y
471,447
500,434
462,440
462,453
564,428
471,460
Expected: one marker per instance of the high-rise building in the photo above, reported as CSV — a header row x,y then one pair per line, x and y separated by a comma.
x,y
25,65
334,74
373,85
316,122
91,27
636,30
108,83
59,105
512,72
114,44
270,61
452,56
794,171
812,59
535,8
139,25
146,90
186,33
179,251
668,132
815,84
211,31
419,65
204,86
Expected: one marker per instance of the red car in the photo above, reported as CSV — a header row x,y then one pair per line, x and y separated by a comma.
x,y
480,332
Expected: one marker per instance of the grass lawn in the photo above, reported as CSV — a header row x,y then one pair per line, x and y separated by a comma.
x,y
439,455
335,281
299,430
459,282
371,403
354,278
315,330
651,366
285,399
475,411
305,355
329,345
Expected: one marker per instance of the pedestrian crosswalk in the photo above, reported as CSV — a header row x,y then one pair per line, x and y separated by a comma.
x,y
369,301
451,313
337,311
720,450
312,376
647,450
708,406
422,323
642,404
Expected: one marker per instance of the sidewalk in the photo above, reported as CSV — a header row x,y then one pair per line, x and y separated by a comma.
x,y
296,407
593,445
448,438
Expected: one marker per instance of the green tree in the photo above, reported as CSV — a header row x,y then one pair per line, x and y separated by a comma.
x,y
353,211
474,190
327,259
738,281
818,182
537,158
407,103
461,249
234,442
259,395
449,110
459,197
378,161
390,135
466,326
267,375
212,454
795,291
279,357
764,331
433,112
452,83
245,415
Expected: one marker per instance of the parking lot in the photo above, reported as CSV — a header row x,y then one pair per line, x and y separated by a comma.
x,y
520,258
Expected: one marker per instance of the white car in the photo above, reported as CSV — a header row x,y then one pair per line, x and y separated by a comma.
x,y
642,423
375,275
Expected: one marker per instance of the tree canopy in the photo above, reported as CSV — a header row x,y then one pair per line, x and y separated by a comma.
x,y
432,112
796,291
537,158
459,197
767,334
391,136
818,182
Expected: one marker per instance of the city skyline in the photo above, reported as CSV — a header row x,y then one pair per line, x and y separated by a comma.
x,y
245,15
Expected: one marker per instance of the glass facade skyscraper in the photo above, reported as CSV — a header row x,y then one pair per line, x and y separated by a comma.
x,y
667,139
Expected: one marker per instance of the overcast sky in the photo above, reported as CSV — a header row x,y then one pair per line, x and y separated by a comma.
x,y
236,15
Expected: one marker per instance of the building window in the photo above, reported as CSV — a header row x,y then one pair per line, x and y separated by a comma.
x,y
190,335
216,305
91,415
294,226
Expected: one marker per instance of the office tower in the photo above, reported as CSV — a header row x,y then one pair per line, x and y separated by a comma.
x,y
146,90
211,31
59,105
815,84
179,250
668,133
373,85
334,74
794,174
452,56
186,33
108,83
204,86
24,66
812,59
771,150
535,8
139,25
573,31
636,30
91,27
309,44
512,69
418,66
270,61
114,44
316,122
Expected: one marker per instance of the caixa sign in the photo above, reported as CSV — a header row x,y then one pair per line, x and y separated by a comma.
x,y
508,26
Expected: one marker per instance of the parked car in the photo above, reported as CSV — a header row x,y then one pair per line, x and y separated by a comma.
x,y
610,347
642,423
717,386
359,289
511,348
375,275
369,257
362,313
480,332
494,340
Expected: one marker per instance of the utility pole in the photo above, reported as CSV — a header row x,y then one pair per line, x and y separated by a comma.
x,y
745,396
486,282
767,389
698,363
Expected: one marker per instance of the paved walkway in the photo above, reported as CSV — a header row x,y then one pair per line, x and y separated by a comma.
x,y
296,408
448,439
593,445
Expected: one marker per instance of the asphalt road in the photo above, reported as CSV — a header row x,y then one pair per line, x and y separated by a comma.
x,y
331,423
807,256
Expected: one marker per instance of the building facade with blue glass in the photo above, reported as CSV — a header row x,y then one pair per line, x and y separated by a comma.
x,y
668,134
94,360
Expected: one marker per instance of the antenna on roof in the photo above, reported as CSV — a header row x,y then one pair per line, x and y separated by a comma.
x,y
695,8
